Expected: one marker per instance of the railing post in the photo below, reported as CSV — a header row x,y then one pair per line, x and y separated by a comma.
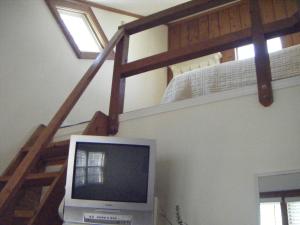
x,y
118,85
262,60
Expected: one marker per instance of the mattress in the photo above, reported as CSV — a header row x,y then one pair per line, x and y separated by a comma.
x,y
231,75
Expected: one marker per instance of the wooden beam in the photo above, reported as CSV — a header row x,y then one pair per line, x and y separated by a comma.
x,y
118,85
14,184
34,179
110,9
25,214
98,125
176,12
202,48
186,53
206,13
262,60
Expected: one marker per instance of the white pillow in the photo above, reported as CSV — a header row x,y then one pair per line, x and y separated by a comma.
x,y
201,62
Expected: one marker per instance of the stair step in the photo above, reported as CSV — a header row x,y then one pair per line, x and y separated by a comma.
x,y
25,214
55,161
56,151
34,179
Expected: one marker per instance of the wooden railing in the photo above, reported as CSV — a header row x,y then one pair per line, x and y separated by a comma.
x,y
257,34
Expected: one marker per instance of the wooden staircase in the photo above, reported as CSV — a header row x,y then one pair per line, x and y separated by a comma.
x,y
24,198
31,195
42,191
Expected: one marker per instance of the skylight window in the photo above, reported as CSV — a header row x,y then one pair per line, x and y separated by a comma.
x,y
247,51
81,31
80,26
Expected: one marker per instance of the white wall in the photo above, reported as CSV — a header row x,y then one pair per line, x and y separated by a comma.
x,y
209,155
38,69
145,89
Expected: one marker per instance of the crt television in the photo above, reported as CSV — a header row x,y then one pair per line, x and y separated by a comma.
x,y
109,176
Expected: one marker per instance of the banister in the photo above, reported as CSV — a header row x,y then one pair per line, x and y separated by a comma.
x,y
173,13
232,40
16,180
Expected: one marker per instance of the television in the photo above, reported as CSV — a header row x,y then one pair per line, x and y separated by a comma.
x,y
110,180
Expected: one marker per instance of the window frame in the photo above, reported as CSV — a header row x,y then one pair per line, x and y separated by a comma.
x,y
84,9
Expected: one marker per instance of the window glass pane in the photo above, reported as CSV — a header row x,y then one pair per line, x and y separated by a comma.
x,y
96,159
247,51
294,213
82,33
270,213
79,176
95,175
274,45
81,158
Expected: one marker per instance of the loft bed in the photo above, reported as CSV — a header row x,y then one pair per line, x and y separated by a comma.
x,y
255,32
190,78
227,76
109,124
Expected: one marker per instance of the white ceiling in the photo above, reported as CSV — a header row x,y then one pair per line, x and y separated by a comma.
x,y
142,7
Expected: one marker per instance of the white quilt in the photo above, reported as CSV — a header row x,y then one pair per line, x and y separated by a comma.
x,y
230,75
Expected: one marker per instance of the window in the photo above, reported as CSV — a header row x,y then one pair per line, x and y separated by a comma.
x,y
80,27
80,30
89,168
247,51
270,213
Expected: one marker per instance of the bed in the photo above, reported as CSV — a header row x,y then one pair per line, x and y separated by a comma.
x,y
231,75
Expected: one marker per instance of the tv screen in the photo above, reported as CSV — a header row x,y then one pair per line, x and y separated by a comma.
x,y
111,172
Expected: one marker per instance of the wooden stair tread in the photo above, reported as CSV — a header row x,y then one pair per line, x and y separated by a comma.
x,y
37,179
55,153
26,214
53,146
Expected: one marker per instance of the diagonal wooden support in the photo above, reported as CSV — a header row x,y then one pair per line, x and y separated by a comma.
x,y
262,60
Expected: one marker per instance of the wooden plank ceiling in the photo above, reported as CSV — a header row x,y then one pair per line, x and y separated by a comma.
x,y
227,20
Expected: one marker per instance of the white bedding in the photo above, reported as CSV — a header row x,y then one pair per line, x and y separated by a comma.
x,y
230,75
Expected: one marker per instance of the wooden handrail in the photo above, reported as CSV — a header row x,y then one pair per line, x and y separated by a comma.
x,y
232,40
17,179
176,12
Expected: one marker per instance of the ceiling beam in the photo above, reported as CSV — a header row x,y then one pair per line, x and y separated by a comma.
x,y
173,13
107,8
